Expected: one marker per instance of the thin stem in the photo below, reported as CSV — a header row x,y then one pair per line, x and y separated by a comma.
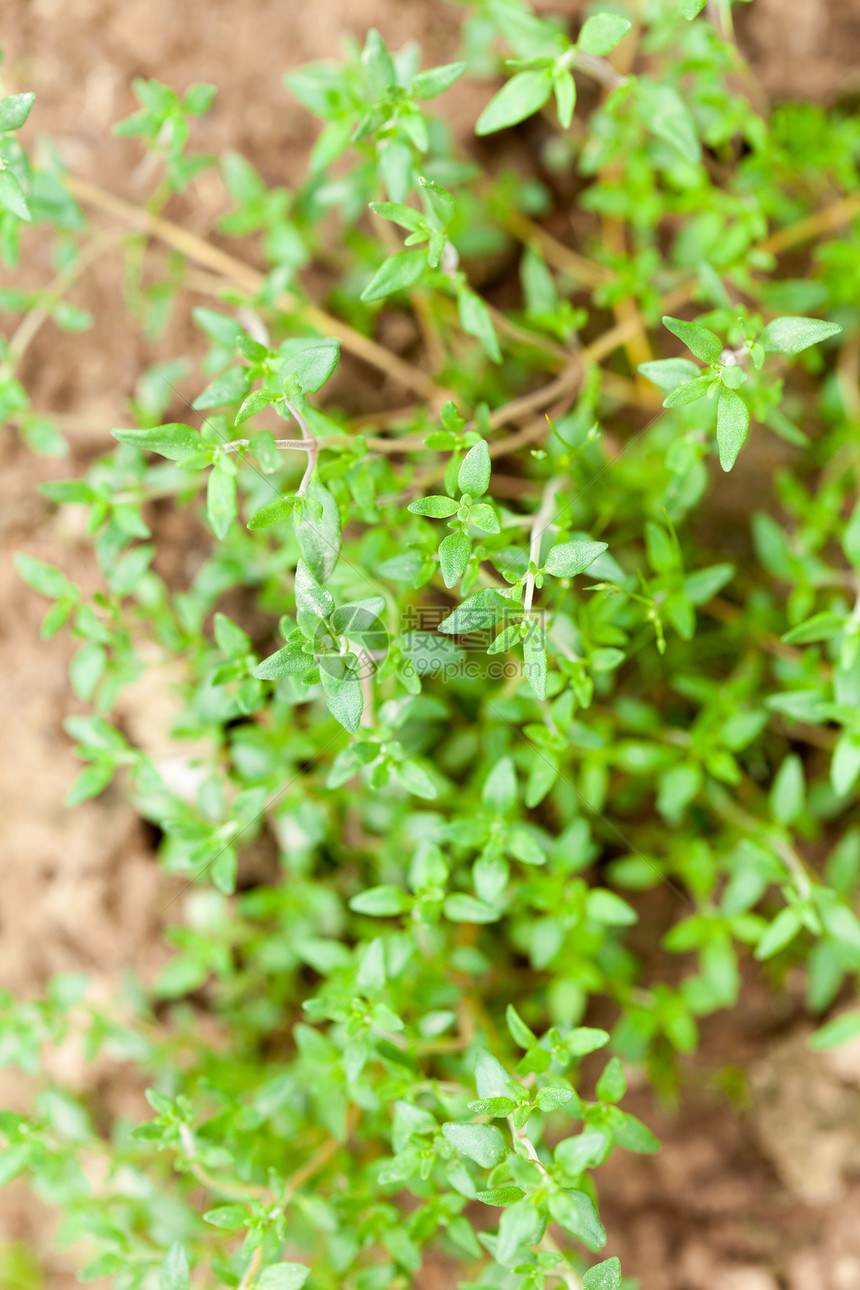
x,y
599,68
252,1269
311,446
286,445
555,352
239,1191
251,280
32,321
317,1160
565,1274
522,1136
804,230
555,252
541,522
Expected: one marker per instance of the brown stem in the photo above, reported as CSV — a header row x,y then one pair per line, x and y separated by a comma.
x,y
249,279
32,321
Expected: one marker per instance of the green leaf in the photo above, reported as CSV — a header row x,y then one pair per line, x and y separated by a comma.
x,y
255,402
552,1099
542,775
529,36
484,517
482,1143
312,600
564,87
534,658
602,32
845,767
359,620
474,474
703,585
438,507
396,169
575,1211
689,392
13,1161
500,1195
405,216
498,1106
791,335
263,447
607,1275
454,553
780,933
520,1032
612,1085
836,1032
733,376
231,640
396,274
669,373
342,690
87,668
491,1078
821,627
91,781
377,63
583,1151
231,1218
567,559
230,387
221,506
175,1273
218,327
788,791
633,1135
312,361
522,96
12,196
283,1276
439,200
14,110
606,907
476,321
499,793
223,871
851,537
272,513
173,441
702,342
520,1225
319,539
666,114
462,908
381,902
483,610
289,661
426,85
44,578
586,1039
733,422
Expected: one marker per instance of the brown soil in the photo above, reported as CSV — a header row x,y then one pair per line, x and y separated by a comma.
x,y
723,1207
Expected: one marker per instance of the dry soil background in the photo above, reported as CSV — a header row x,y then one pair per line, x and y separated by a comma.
x,y
724,1207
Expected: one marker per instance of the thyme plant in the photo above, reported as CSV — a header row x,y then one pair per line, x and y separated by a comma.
x,y
467,649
